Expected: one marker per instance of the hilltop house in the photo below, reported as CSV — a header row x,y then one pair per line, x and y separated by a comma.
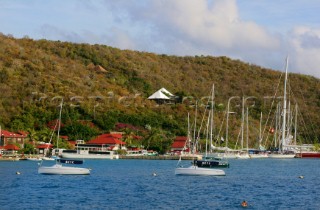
x,y
162,96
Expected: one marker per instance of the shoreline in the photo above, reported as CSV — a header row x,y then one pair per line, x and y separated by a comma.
x,y
158,157
142,157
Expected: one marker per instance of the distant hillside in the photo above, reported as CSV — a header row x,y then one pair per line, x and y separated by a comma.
x,y
107,85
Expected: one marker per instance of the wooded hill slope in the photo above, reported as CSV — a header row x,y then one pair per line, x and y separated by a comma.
x,y
105,85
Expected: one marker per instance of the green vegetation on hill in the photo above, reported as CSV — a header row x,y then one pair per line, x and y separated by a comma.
x,y
105,85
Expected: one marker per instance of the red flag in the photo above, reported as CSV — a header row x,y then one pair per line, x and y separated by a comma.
x,y
271,130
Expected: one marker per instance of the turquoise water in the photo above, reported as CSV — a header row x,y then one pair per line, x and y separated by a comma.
x,y
129,184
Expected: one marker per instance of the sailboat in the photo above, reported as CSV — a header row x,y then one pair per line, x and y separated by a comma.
x,y
282,153
195,170
209,160
58,168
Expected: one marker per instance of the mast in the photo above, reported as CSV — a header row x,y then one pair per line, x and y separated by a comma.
x,y
276,135
260,136
289,118
228,112
242,122
211,123
284,107
188,138
247,122
295,124
59,123
207,133
194,131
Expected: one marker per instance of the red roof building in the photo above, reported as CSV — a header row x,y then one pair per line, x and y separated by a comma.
x,y
23,133
11,147
112,141
44,148
8,137
109,139
180,144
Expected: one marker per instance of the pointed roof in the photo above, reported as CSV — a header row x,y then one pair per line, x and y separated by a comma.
x,y
179,142
6,133
165,91
161,94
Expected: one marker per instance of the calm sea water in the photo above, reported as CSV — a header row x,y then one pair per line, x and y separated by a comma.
x,y
129,184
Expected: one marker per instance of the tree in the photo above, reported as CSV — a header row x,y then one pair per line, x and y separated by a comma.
x,y
158,140
77,130
33,135
28,149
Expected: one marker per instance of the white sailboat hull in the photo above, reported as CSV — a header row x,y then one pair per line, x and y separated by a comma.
x,y
281,156
58,169
226,155
196,171
243,156
256,156
48,158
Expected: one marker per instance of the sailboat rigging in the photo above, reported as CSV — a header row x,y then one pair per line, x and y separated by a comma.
x,y
209,160
58,168
195,169
282,152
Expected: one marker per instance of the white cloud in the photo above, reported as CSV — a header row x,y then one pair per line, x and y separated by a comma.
x,y
305,46
208,28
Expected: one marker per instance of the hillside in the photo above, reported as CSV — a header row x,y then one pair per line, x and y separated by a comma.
x,y
106,85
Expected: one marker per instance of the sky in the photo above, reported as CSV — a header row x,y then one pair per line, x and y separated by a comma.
x,y
260,32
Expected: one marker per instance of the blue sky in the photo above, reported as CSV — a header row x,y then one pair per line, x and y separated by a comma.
x,y
261,32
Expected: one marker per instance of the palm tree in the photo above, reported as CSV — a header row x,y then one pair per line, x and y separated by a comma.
x,y
45,135
129,137
32,135
157,140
